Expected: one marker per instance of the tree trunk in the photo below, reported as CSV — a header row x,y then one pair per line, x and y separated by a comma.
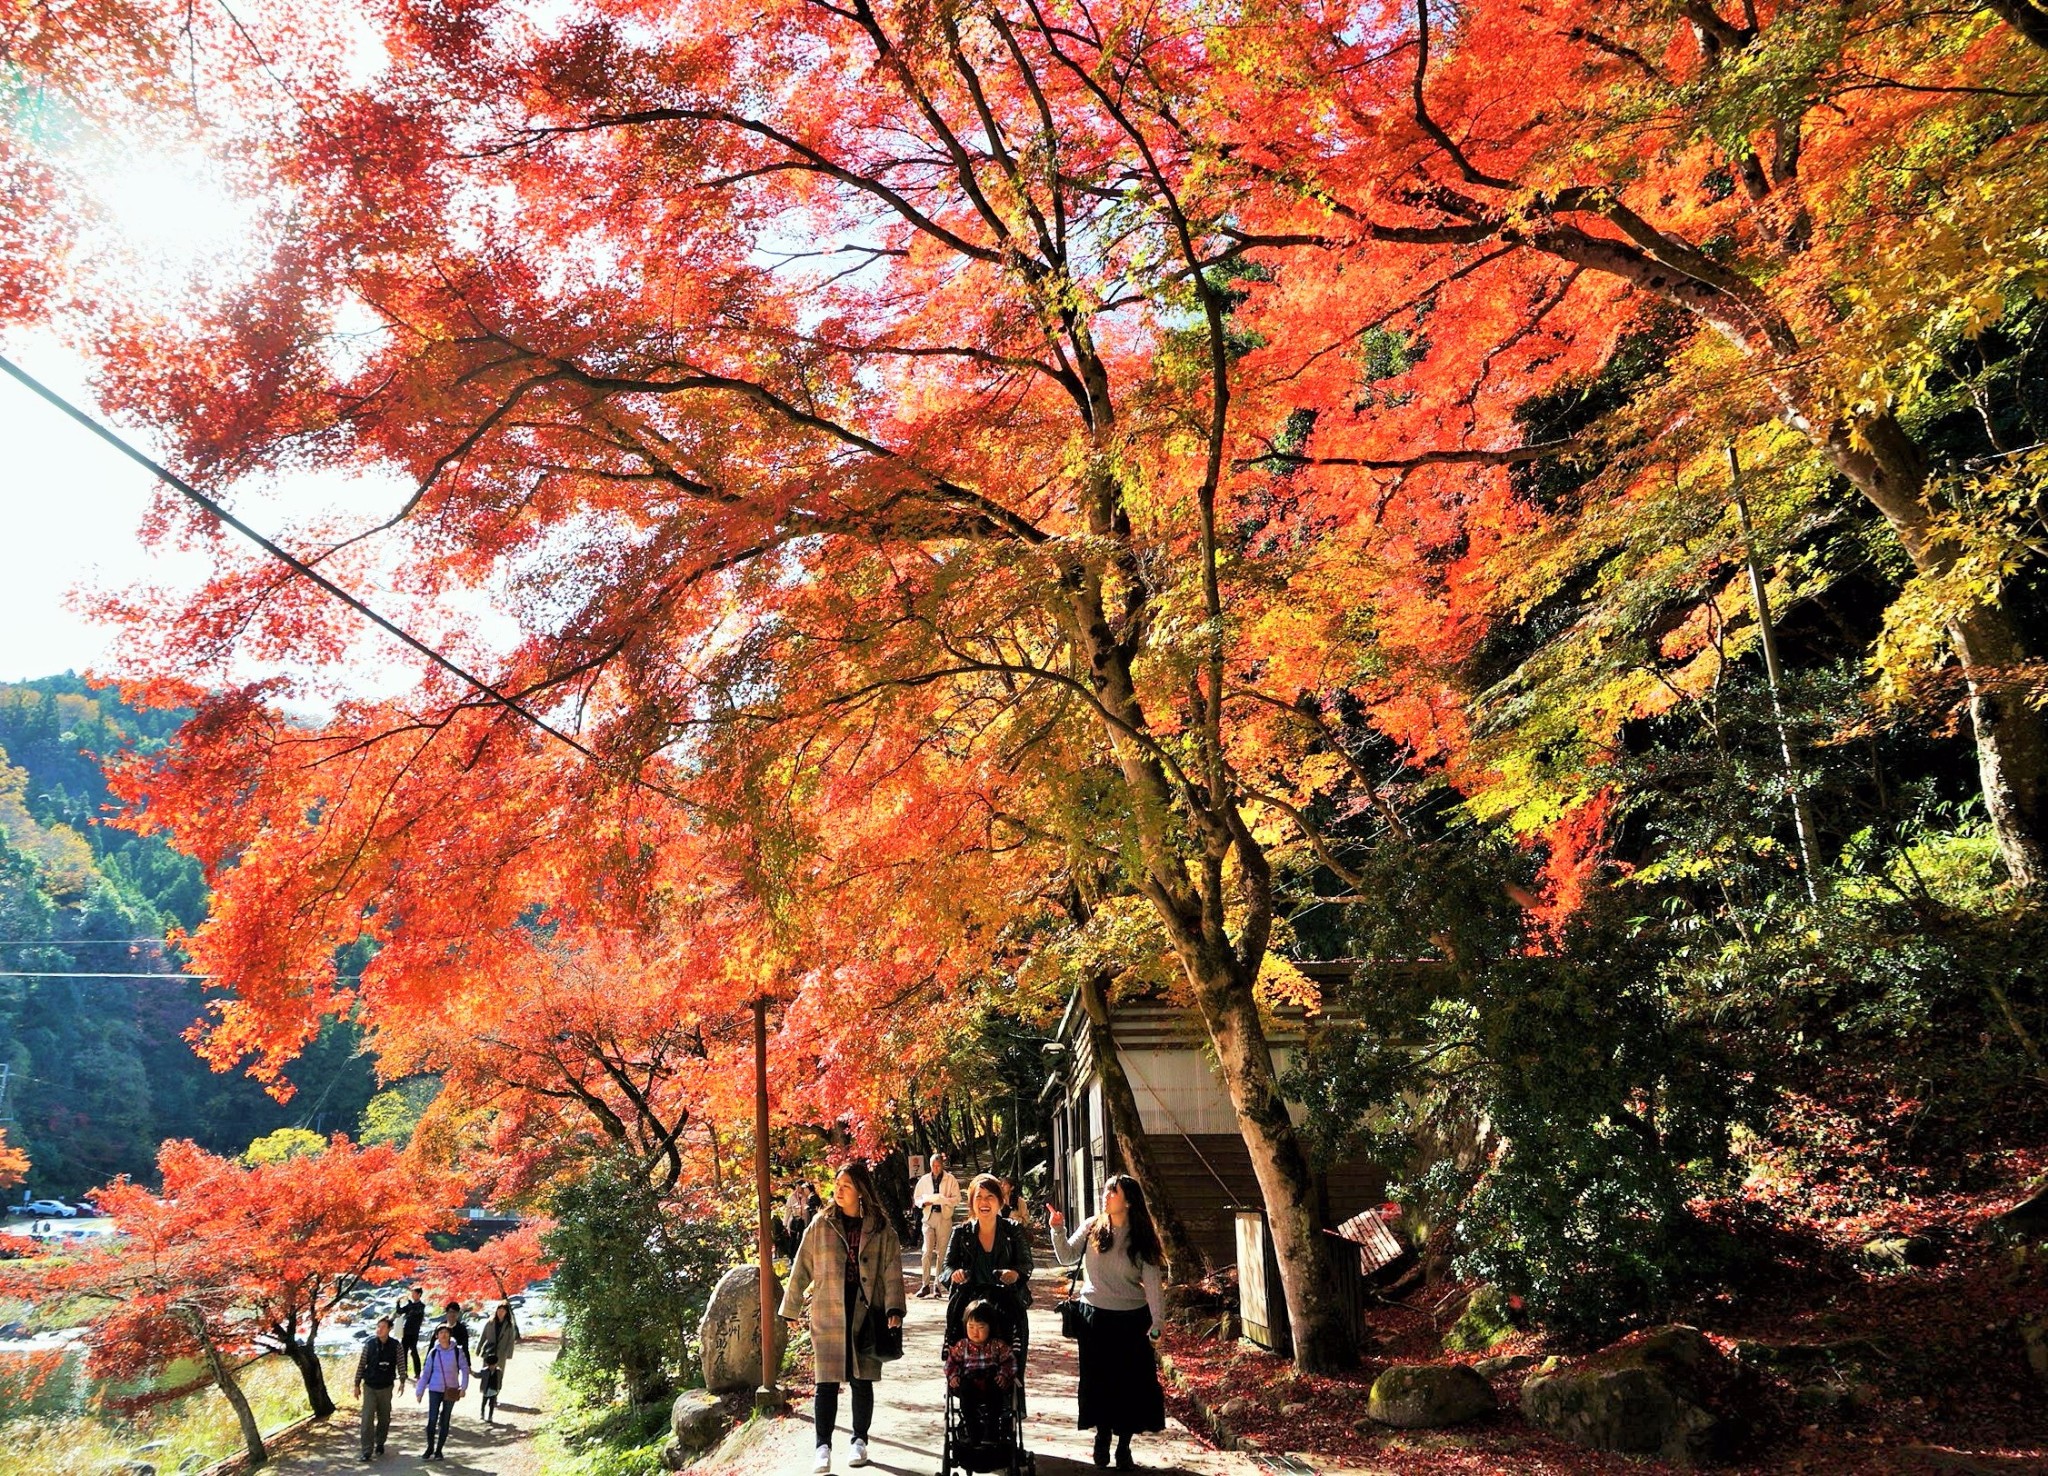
x,y
1195,918
1887,466
224,1377
313,1374
1324,1340
2028,17
1184,1259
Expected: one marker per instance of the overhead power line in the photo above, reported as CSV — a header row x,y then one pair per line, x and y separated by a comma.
x,y
81,942
306,571
90,974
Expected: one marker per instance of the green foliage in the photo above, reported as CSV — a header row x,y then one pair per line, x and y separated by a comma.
x,y
633,1274
392,1115
101,1072
1487,1318
1562,1108
584,1438
276,1147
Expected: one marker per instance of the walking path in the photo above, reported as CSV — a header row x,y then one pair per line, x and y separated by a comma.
x,y
504,1448
910,1403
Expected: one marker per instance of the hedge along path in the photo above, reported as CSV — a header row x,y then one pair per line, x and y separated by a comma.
x,y
505,1448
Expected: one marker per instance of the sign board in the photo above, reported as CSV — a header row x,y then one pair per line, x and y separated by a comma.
x,y
1261,1303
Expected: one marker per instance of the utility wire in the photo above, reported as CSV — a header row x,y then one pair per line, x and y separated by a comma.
x,y
307,571
89,974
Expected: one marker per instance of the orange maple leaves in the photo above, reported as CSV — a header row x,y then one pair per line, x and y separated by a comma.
x,y
956,459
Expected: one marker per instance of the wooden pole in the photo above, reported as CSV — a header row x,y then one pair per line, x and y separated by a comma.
x,y
765,1396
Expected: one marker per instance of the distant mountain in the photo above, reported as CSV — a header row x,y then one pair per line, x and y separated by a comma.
x,y
98,1070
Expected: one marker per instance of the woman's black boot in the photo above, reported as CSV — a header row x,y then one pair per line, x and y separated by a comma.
x,y
1124,1462
1102,1447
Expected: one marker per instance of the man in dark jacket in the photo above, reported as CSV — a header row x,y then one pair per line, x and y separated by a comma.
x,y
457,1328
411,1315
376,1372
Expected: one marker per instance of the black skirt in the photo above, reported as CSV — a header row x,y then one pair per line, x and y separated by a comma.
x,y
1119,1372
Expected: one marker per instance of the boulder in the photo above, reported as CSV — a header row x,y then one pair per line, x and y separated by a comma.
x,y
1235,1409
1293,1411
730,1333
1425,1396
698,1422
1897,1252
1493,1368
2034,1338
1484,1322
2027,1220
1669,1394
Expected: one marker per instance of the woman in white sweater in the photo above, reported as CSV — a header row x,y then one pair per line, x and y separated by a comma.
x,y
1123,1269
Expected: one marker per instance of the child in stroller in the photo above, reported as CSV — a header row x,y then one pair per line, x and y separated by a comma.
x,y
988,1271
982,1395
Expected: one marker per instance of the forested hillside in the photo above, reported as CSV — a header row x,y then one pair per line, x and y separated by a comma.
x,y
93,1008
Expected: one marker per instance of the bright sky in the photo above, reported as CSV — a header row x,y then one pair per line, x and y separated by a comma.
x,y
71,507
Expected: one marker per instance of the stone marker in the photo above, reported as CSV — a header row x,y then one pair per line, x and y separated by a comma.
x,y
730,1333
1425,1396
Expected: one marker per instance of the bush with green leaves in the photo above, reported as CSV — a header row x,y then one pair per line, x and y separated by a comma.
x,y
634,1270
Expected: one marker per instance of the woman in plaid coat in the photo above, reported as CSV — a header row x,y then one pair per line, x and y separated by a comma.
x,y
850,1260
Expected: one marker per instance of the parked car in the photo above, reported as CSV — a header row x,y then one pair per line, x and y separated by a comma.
x,y
50,1209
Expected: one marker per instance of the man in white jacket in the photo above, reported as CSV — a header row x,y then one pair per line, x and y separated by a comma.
x,y
934,1199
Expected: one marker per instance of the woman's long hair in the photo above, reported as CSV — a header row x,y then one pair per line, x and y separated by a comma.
x,y
1142,1236
857,1170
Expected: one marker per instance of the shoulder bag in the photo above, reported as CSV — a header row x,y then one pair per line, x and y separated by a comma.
x,y
878,1339
1072,1312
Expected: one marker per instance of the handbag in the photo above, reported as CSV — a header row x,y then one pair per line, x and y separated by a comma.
x,y
1072,1313
1072,1316
881,1341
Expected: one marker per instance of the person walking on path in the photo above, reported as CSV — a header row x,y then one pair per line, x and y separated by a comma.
x,y
988,1257
796,1213
377,1369
937,1193
495,1346
443,1380
412,1316
1121,1296
851,1262
457,1328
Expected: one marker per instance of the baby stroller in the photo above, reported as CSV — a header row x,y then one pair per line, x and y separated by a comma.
x,y
999,1444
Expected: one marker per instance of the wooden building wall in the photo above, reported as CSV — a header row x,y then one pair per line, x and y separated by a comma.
x,y
1189,1121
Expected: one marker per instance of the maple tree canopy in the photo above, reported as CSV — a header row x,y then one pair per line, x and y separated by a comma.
x,y
966,466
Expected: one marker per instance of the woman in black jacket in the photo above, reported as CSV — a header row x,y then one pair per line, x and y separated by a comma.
x,y
988,1256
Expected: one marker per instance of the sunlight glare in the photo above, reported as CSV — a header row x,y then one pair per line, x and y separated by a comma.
x,y
173,210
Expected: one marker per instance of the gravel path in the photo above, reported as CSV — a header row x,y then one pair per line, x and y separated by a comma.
x,y
910,1417
504,1448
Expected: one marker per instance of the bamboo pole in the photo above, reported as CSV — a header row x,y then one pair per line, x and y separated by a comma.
x,y
1774,678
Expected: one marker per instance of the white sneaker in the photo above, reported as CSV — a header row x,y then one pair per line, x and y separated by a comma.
x,y
823,1463
860,1453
